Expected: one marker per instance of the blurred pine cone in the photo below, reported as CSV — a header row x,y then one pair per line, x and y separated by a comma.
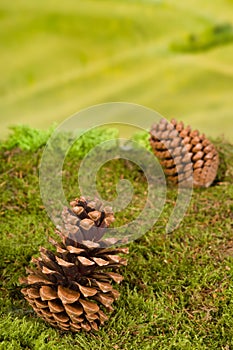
x,y
184,153
72,288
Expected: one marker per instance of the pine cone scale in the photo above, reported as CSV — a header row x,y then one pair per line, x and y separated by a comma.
x,y
55,306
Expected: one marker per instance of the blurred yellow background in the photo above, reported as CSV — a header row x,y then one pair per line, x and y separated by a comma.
x,y
58,57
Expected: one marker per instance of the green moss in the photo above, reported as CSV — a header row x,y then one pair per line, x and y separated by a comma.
x,y
178,287
31,139
142,138
26,138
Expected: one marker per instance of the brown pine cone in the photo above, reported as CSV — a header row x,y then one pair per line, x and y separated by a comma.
x,y
184,153
72,288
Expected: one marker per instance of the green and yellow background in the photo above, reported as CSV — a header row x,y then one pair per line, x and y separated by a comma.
x,y
58,57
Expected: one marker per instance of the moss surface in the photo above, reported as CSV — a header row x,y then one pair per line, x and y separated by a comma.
x,y
178,287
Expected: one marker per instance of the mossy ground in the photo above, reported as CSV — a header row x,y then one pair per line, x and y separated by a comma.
x,y
178,287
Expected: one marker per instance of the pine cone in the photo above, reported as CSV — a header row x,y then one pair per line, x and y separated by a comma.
x,y
184,152
72,288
